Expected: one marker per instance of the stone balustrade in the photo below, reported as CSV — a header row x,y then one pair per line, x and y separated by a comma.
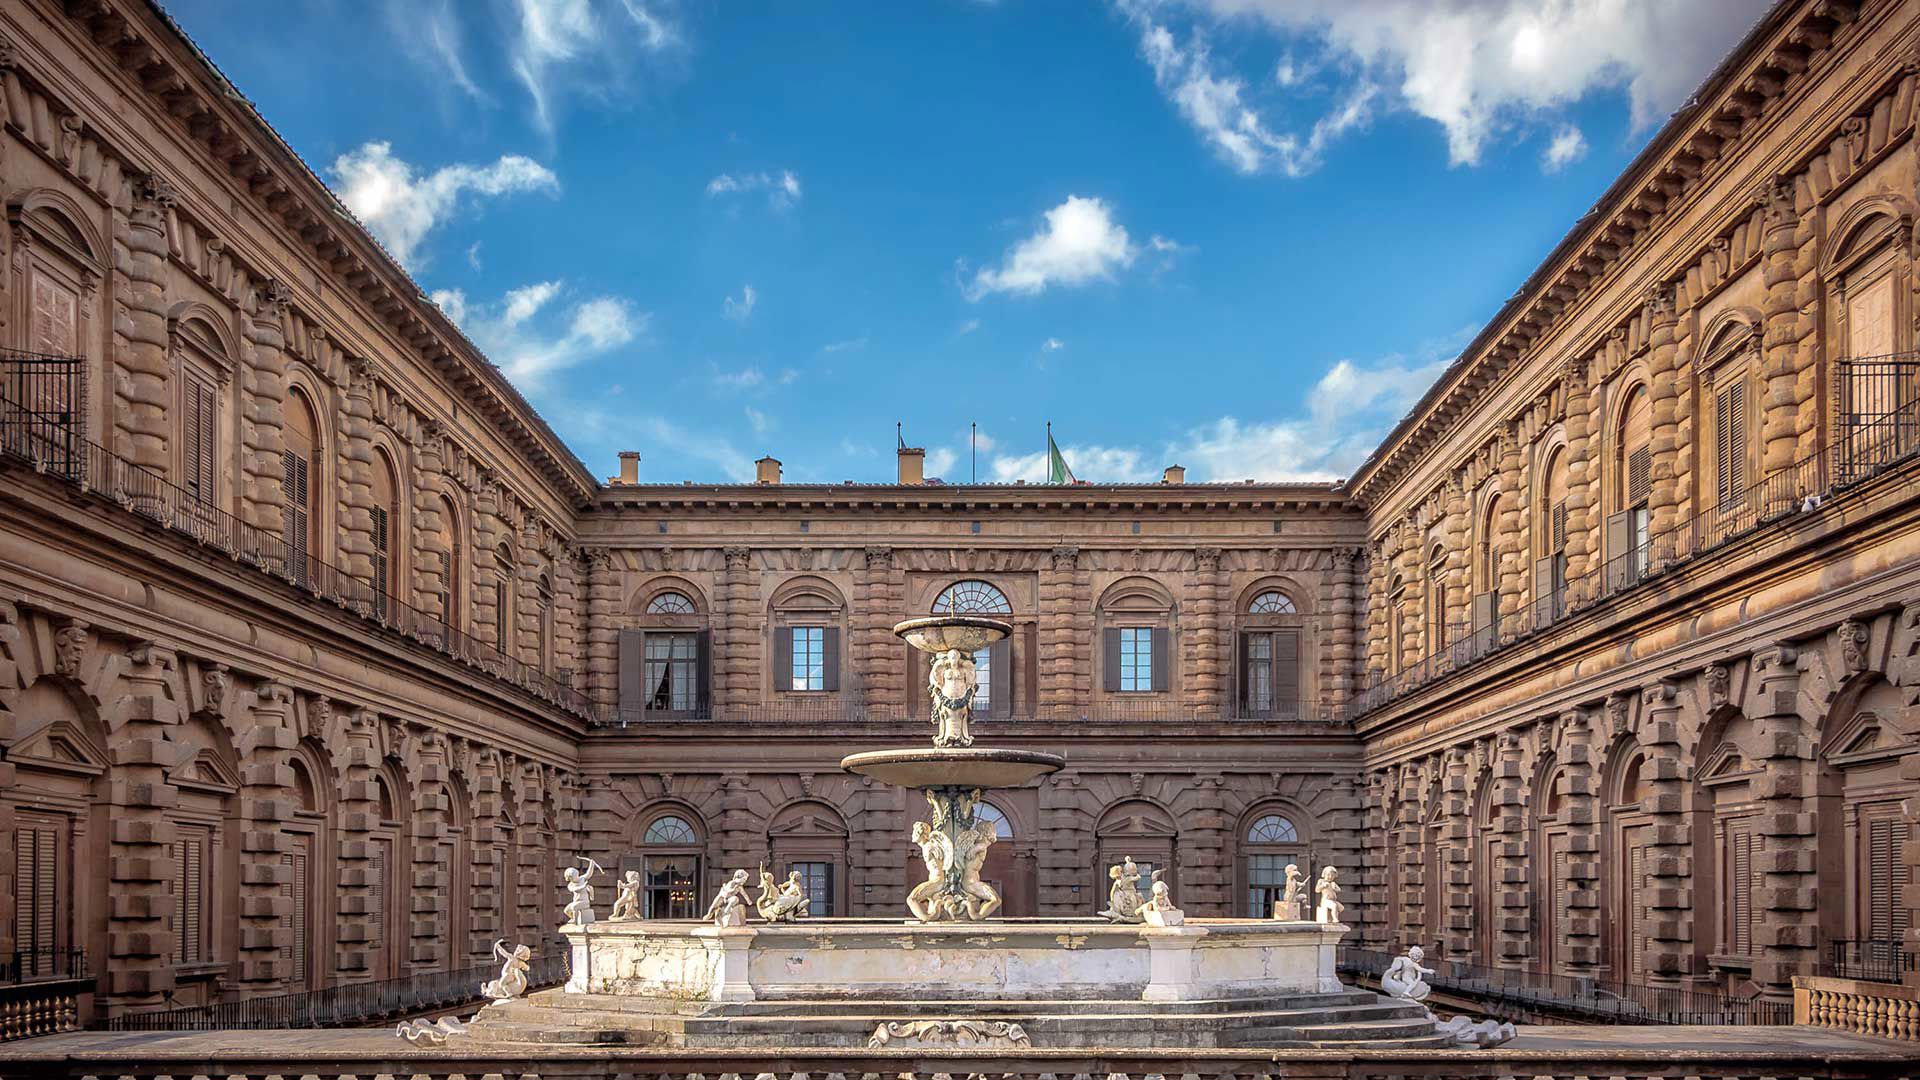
x,y
40,1009
1889,1010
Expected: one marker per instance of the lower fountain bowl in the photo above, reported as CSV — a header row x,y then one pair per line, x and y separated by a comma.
x,y
960,767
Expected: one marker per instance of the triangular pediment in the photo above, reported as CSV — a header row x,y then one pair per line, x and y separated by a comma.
x,y
1863,737
60,745
1724,763
206,770
807,825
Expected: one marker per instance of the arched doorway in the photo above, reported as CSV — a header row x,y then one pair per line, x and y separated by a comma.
x,y
1861,827
669,863
1625,917
388,894
1139,830
1547,872
1270,840
810,839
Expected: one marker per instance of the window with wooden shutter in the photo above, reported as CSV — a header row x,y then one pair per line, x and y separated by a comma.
x,y
1886,915
1639,476
293,513
1561,887
199,438
190,895
1286,672
298,894
38,903
1740,884
1557,524
1730,441
379,859
56,321
1636,909
382,556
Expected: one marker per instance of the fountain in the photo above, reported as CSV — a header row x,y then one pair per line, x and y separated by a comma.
x,y
1140,974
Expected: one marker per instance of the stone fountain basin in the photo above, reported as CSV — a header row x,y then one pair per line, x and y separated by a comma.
x,y
961,767
968,633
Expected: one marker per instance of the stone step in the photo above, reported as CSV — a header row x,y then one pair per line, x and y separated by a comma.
x,y
933,1008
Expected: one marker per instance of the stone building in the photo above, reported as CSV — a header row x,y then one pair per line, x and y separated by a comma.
x,y
319,652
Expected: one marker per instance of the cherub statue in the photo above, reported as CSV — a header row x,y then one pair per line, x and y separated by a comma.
x,y
1329,890
1159,909
952,682
1292,900
981,901
785,903
579,885
1404,978
729,906
513,972
1123,895
626,901
928,900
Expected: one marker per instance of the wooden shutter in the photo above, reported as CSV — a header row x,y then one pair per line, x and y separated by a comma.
x,y
1636,909
55,317
1619,543
783,657
36,882
1557,519
198,438
632,661
1483,609
1110,659
830,657
1160,638
1286,672
1639,475
298,893
1000,688
1561,887
1730,441
379,858
1242,669
1886,911
382,554
1739,899
703,670
189,897
293,513
1543,582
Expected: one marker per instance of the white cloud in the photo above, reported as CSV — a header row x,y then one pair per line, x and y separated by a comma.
x,y
738,310
402,207
473,256
1567,147
706,446
849,345
940,462
1479,67
515,334
967,327
429,31
782,188
1217,105
1079,243
757,420
1052,344
566,45
1102,464
745,379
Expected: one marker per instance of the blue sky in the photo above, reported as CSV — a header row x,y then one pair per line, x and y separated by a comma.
x,y
1239,235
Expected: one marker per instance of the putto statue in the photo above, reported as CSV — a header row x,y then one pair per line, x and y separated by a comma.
x,y
626,900
1123,893
952,682
928,900
579,885
513,972
1405,978
729,906
980,901
1159,909
1329,890
783,903
954,847
1293,901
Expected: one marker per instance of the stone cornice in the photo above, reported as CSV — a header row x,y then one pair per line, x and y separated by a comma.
x,y
1113,498
142,42
1679,161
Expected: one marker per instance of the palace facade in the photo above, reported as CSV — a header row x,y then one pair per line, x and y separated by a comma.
x,y
320,652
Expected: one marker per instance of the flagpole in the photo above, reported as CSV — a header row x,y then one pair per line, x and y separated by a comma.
x,y
976,451
1049,451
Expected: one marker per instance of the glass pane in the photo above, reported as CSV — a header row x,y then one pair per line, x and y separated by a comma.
x,y
809,653
817,879
971,598
983,670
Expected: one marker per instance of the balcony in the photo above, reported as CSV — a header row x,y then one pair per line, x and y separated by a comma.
x,y
854,710
1869,445
41,430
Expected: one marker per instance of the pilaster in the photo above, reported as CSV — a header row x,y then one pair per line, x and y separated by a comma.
x,y
356,473
1580,810
263,410
491,891
431,901
358,933
603,631
880,601
1582,484
1208,591
1669,890
1456,854
141,385
140,869
429,555
266,874
1511,556
1789,926
1780,335
1343,609
1511,873
1662,361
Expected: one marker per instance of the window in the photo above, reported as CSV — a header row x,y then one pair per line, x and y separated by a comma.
x,y
669,879
199,443
386,514
1550,525
1396,602
1628,528
972,598
670,830
1730,440
190,922
664,662
1484,608
808,662
817,879
670,603
1271,602
450,592
41,905
987,812
1136,659
56,316
543,590
1436,598
1268,655
298,482
993,665
671,678
1272,829
805,623
503,599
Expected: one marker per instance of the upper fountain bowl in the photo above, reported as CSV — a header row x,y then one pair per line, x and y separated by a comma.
x,y
968,633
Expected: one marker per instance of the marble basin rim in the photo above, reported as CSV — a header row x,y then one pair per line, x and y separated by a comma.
x,y
954,767
938,633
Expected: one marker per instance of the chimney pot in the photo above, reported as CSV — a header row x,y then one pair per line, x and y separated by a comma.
x,y
1175,474
767,470
913,465
629,467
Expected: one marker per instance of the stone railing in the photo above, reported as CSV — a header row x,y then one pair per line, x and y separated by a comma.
x,y
1889,1010
293,1057
41,1008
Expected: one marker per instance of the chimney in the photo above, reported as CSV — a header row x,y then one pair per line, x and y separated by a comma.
x,y
767,470
1175,474
913,465
629,468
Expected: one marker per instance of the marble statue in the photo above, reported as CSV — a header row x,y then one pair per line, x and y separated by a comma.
x,y
952,682
729,906
1123,894
980,901
1404,978
1293,901
513,972
1329,890
626,901
432,1032
1468,1034
783,903
1159,909
929,901
579,910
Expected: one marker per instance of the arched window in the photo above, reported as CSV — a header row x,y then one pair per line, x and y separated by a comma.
x,y
1002,828
452,562
806,622
670,603
1271,602
503,598
994,664
1272,829
386,515
1550,530
1396,601
1269,844
300,481
62,265
972,598
543,589
1436,598
669,829
669,868
1268,656
203,369
1628,526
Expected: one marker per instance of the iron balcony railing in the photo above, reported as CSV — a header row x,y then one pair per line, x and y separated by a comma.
x,y
29,436
1866,447
1869,960
1510,993
348,1004
845,708
43,405
36,965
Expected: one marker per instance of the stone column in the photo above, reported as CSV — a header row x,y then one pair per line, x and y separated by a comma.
x,y
140,796
531,851
431,901
739,832
1582,486
266,800
1066,853
1341,687
1377,614
263,413
1780,335
1789,921
1342,819
1507,540
1374,919
1205,877
1580,809
883,866
738,626
600,825
429,555
567,616
1058,661
356,472
1456,535
1662,362
1669,847
488,530
1686,444
603,630
355,761
141,388
1418,925
1510,877
879,602
491,892
526,608
1456,859
1811,293
1207,682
